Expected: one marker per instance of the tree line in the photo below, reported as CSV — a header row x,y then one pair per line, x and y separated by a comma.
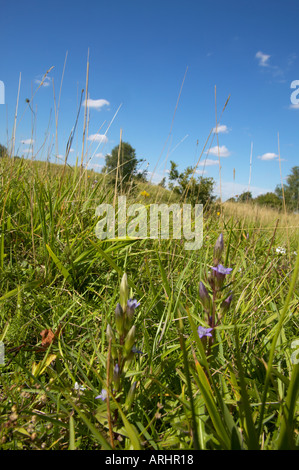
x,y
122,167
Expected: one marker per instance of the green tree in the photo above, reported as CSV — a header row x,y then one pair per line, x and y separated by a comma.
x,y
245,197
196,190
162,182
291,190
128,164
3,151
269,200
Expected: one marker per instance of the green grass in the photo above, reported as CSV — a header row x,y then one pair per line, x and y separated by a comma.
x,y
54,273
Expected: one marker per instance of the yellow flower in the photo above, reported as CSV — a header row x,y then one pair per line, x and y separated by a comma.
x,y
144,193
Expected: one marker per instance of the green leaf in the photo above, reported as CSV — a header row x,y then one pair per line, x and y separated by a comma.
x,y
59,264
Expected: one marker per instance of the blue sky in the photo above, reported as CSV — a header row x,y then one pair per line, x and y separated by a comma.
x,y
153,68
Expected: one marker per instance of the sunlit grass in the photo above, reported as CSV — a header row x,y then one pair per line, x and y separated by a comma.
x,y
56,275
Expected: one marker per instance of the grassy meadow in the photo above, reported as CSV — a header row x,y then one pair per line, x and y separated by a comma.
x,y
140,344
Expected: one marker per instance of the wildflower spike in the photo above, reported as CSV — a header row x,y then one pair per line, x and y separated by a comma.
x,y
204,297
129,341
119,319
124,292
218,249
226,303
130,396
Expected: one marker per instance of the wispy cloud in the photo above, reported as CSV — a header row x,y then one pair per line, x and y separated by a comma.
x,y
43,82
222,151
96,104
98,138
99,155
294,106
291,59
263,59
222,129
208,162
264,62
27,141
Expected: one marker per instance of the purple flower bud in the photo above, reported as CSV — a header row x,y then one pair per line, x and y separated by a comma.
x,y
204,297
218,249
119,319
226,303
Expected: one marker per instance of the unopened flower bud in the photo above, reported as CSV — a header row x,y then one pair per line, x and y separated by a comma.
x,y
204,297
218,249
116,376
110,336
129,341
109,332
124,292
119,319
226,303
130,396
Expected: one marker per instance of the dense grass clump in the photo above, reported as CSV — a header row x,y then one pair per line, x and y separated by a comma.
x,y
137,344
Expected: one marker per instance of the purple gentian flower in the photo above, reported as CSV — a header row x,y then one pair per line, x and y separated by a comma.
x,y
202,331
221,270
131,305
219,274
103,395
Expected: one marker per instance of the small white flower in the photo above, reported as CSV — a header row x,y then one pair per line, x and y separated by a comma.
x,y
280,250
79,387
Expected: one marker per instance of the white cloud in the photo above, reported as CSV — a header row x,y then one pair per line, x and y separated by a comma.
x,y
98,138
100,155
263,59
222,151
268,156
222,129
96,104
294,106
95,166
208,162
27,141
